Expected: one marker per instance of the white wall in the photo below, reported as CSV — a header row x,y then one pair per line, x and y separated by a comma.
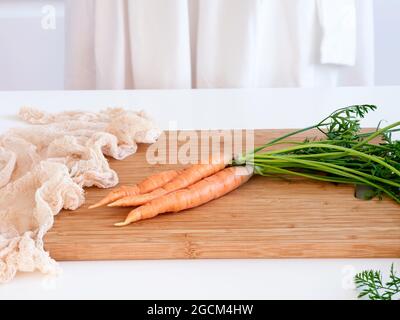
x,y
387,42
33,58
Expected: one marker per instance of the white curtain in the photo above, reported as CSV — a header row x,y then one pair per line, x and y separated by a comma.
x,y
167,44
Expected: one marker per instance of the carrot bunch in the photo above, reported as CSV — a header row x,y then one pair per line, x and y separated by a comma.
x,y
174,191
345,154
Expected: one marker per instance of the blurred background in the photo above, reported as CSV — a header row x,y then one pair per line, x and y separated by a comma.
x,y
42,46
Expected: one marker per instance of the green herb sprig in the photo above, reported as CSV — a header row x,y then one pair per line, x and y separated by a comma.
x,y
371,285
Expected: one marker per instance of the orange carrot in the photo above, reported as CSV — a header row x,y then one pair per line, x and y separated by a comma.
x,y
205,190
188,176
149,184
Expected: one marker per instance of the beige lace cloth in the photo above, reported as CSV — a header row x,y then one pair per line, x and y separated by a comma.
x,y
44,168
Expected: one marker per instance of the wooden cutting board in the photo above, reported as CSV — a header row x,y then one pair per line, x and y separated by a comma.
x,y
265,218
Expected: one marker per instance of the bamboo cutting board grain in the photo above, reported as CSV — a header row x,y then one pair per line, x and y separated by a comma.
x,y
265,218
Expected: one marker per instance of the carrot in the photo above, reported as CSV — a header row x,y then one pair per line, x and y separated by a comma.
x,y
205,190
188,176
149,184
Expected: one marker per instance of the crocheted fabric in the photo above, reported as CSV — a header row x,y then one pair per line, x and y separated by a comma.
x,y
44,168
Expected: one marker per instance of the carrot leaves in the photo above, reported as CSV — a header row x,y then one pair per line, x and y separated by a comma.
x,y
369,160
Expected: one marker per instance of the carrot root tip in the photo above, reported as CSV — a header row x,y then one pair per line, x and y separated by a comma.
x,y
121,224
94,206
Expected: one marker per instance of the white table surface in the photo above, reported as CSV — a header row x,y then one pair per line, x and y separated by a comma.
x,y
205,279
